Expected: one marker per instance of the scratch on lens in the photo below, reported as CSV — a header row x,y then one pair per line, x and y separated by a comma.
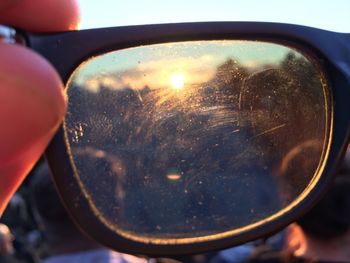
x,y
77,131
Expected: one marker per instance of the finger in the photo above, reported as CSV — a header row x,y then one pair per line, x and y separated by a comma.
x,y
32,105
5,3
40,15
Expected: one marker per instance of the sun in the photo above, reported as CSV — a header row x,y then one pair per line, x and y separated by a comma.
x,y
177,81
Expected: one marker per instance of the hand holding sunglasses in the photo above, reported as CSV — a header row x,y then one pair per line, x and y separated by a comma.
x,y
185,138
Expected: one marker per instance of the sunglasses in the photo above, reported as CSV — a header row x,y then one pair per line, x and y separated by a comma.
x,y
185,138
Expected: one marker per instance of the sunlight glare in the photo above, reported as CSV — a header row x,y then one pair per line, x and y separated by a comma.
x,y
177,81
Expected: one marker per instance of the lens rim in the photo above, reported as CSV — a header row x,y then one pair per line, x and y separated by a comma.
x,y
59,161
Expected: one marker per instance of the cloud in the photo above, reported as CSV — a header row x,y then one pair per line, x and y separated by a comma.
x,y
154,74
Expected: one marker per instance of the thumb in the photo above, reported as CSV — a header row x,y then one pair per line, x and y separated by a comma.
x,y
32,105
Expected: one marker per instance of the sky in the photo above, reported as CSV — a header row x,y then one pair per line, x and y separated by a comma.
x,y
174,64
326,14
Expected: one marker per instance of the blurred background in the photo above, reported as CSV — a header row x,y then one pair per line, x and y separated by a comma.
x,y
330,15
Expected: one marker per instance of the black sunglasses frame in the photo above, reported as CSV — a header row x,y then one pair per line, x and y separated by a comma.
x,y
67,50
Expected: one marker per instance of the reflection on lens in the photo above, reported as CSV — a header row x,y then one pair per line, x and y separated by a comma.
x,y
193,139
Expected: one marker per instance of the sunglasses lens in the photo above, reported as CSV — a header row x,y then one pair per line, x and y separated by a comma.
x,y
193,139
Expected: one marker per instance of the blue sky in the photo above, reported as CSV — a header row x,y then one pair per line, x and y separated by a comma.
x,y
327,14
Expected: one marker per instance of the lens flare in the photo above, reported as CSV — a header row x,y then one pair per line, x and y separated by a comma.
x,y
177,81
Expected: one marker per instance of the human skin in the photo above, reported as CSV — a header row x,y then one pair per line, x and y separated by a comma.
x,y
32,100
